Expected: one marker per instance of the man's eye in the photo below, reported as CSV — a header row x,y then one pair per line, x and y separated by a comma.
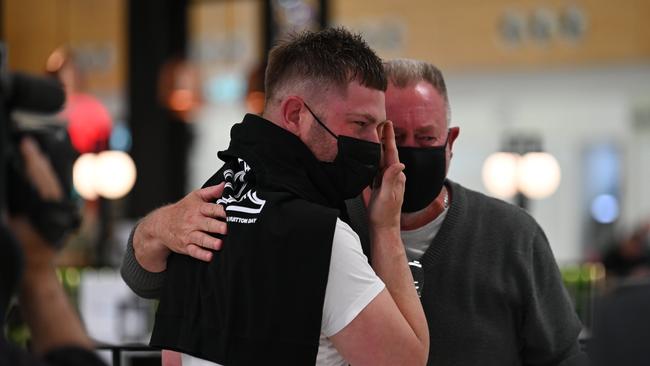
x,y
361,123
426,138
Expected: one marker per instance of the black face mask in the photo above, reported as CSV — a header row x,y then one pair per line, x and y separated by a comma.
x,y
425,170
356,163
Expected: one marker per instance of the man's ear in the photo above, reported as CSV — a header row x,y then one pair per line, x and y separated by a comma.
x,y
453,135
291,113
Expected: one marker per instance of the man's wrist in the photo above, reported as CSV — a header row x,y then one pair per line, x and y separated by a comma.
x,y
384,222
385,228
150,251
35,275
386,237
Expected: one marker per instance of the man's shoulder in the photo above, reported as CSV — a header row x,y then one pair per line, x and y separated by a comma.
x,y
297,213
346,241
504,227
492,209
244,196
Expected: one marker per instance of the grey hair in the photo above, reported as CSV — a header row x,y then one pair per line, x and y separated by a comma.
x,y
403,72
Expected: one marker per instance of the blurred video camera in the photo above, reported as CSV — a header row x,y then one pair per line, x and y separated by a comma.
x,y
27,108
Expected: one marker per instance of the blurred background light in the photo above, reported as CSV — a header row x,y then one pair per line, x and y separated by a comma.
x,y
602,169
83,176
120,138
115,174
605,208
538,175
109,174
521,170
226,88
500,174
181,100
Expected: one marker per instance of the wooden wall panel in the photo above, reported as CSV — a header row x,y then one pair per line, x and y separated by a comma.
x,y
95,29
31,31
463,34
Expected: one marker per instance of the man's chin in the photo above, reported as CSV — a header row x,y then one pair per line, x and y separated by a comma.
x,y
420,212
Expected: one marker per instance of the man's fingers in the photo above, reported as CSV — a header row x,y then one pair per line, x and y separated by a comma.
x,y
199,253
212,193
212,210
380,130
390,147
214,226
393,174
204,240
28,147
393,183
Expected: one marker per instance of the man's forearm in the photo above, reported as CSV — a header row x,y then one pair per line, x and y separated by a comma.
x,y
390,263
51,318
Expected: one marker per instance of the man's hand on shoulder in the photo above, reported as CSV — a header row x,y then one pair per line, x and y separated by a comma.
x,y
183,227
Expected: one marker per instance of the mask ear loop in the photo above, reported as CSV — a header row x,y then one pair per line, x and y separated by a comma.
x,y
319,122
447,139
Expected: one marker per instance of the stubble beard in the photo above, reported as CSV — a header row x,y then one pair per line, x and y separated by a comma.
x,y
321,143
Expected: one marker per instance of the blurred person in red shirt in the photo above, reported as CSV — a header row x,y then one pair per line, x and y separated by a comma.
x,y
89,122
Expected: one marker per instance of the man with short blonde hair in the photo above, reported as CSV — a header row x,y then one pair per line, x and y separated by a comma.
x,y
291,285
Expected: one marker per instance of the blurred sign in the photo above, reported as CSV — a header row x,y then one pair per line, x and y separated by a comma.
x,y
501,34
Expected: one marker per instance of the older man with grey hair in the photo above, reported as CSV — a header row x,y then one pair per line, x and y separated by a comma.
x,y
489,284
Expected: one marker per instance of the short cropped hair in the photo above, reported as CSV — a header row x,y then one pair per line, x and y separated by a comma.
x,y
404,72
331,58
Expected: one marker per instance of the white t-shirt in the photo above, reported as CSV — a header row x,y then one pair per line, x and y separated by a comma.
x,y
417,241
351,285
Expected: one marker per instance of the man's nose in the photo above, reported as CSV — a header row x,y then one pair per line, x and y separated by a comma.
x,y
375,136
407,141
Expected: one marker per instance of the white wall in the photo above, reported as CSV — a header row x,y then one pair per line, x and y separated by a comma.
x,y
569,109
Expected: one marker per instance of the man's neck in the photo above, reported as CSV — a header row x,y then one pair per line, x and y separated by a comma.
x,y
271,116
415,220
